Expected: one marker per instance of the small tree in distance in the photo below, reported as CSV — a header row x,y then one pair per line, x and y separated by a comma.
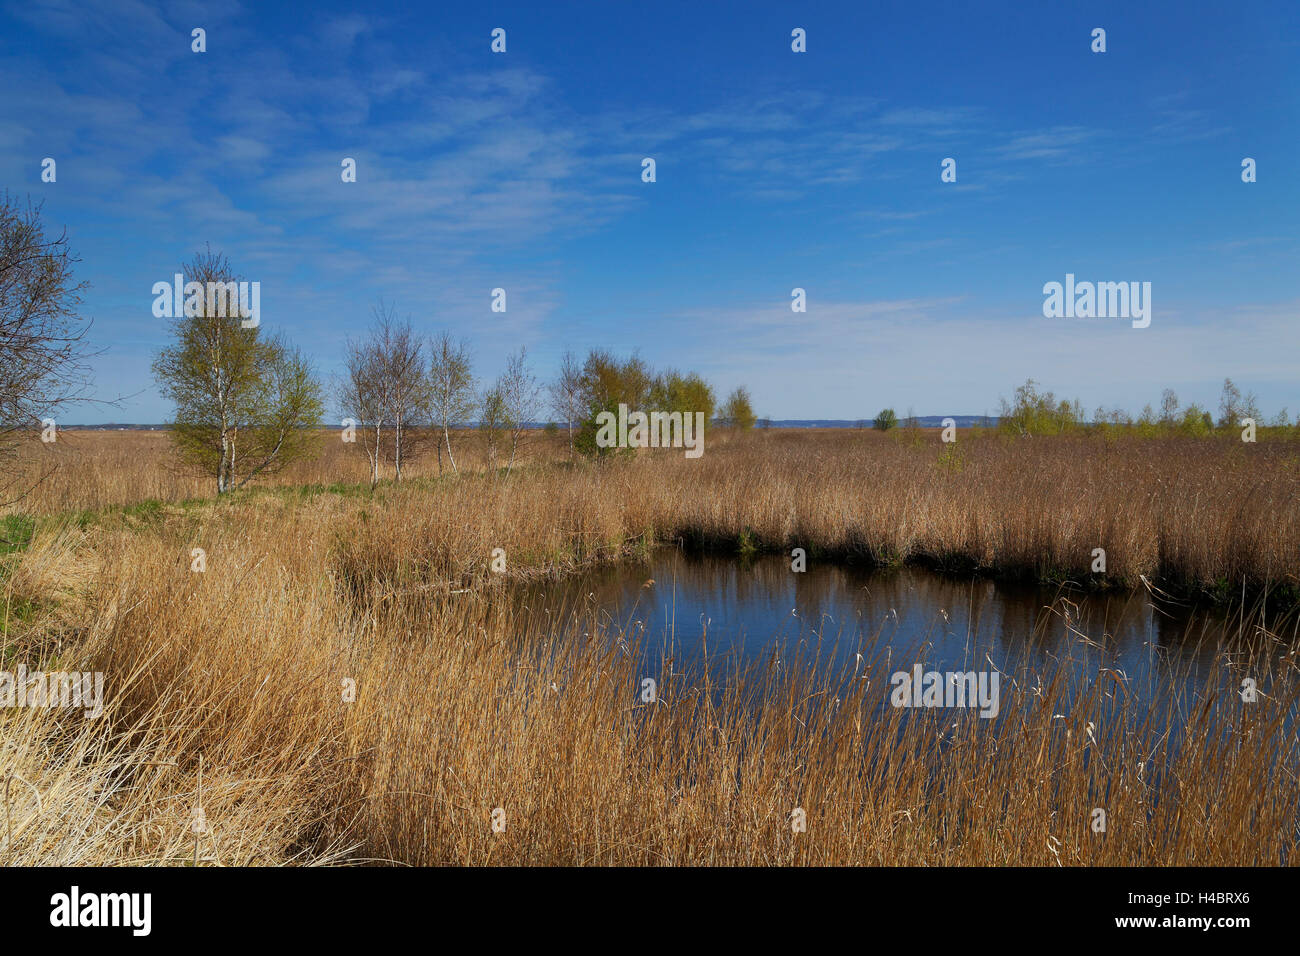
x,y
387,385
521,398
452,384
885,420
1230,404
604,382
566,394
492,423
359,395
407,384
245,404
1169,408
738,411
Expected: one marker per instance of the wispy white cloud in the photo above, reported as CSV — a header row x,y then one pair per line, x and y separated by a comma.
x,y
1059,143
473,175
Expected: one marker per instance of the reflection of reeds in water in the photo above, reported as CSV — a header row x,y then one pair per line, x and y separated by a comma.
x,y
747,605
465,703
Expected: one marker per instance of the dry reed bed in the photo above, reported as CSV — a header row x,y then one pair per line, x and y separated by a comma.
x,y
93,470
1191,514
464,705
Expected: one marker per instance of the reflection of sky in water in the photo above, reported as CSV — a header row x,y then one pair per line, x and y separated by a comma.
x,y
751,607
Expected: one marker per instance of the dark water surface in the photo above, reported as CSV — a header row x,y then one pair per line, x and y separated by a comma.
x,y
751,609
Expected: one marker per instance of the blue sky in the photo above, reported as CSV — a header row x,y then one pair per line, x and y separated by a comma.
x,y
775,170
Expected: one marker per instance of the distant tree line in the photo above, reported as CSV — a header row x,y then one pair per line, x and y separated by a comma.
x,y
1036,412
1033,411
248,404
391,393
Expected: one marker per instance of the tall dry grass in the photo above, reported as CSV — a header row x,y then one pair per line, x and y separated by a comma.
x,y
225,689
1192,514
90,470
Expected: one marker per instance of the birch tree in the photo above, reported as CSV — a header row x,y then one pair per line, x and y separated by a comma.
x,y
566,393
521,399
452,395
406,384
492,423
245,403
360,396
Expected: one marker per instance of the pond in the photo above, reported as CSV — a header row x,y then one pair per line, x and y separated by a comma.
x,y
744,611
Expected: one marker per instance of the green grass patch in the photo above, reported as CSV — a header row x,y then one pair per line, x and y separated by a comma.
x,y
16,533
14,611
147,513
